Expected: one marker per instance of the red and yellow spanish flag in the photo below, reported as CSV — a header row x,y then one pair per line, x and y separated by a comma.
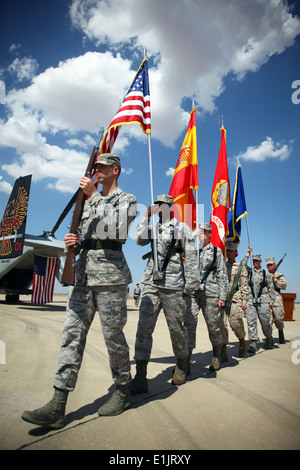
x,y
220,198
185,177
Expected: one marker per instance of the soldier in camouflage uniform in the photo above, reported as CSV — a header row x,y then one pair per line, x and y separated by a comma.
x,y
174,239
210,297
277,309
102,276
137,295
260,301
238,303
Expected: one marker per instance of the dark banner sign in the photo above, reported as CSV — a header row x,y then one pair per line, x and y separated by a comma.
x,y
12,229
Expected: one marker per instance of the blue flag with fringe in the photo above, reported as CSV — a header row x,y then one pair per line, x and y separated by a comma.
x,y
238,209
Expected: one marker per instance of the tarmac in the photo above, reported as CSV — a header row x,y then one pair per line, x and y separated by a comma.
x,y
250,404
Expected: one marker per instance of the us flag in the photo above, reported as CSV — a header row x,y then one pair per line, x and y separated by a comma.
x,y
44,270
135,109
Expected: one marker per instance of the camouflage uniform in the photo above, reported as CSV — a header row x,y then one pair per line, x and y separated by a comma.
x,y
137,295
235,311
277,310
215,289
102,276
166,294
261,309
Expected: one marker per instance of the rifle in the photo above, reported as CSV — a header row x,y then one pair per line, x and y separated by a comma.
x,y
68,276
279,263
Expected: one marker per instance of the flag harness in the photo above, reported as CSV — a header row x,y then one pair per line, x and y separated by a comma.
x,y
263,284
211,267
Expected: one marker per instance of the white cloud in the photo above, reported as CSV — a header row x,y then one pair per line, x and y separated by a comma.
x,y
267,149
127,171
65,166
86,142
2,92
5,187
199,44
170,172
24,68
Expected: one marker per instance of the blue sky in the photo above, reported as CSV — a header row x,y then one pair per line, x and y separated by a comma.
x,y
66,66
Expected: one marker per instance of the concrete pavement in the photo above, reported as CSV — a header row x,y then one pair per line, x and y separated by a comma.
x,y
250,404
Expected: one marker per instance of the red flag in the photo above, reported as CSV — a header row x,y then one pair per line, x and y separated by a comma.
x,y
44,271
220,198
185,178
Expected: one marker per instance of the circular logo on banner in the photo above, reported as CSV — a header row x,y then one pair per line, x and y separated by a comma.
x,y
221,194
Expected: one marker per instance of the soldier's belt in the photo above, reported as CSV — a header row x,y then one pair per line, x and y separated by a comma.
x,y
93,244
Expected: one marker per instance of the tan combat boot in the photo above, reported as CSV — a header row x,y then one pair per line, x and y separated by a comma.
x,y
180,372
216,359
118,402
52,414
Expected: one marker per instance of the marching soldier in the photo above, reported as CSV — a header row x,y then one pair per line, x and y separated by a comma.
x,y
259,305
136,295
210,297
238,293
164,289
277,308
102,276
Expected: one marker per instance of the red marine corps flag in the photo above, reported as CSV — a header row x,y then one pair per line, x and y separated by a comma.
x,y
185,178
220,198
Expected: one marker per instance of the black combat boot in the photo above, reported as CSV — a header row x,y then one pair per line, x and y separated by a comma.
x,y
242,348
52,414
281,337
139,384
269,343
252,347
188,362
224,356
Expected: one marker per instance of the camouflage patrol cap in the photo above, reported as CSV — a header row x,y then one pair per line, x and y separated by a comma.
x,y
164,198
205,227
231,246
270,260
108,159
256,257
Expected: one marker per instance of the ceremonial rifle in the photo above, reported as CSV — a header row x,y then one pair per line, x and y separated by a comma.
x,y
279,263
68,276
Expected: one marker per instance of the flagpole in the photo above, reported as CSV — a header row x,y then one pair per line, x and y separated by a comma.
x,y
249,244
153,231
252,267
197,213
152,202
197,226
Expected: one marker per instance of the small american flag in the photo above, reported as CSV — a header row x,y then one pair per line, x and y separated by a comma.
x,y
134,110
44,270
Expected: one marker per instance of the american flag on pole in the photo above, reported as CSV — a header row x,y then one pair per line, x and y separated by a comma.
x,y
44,270
135,109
